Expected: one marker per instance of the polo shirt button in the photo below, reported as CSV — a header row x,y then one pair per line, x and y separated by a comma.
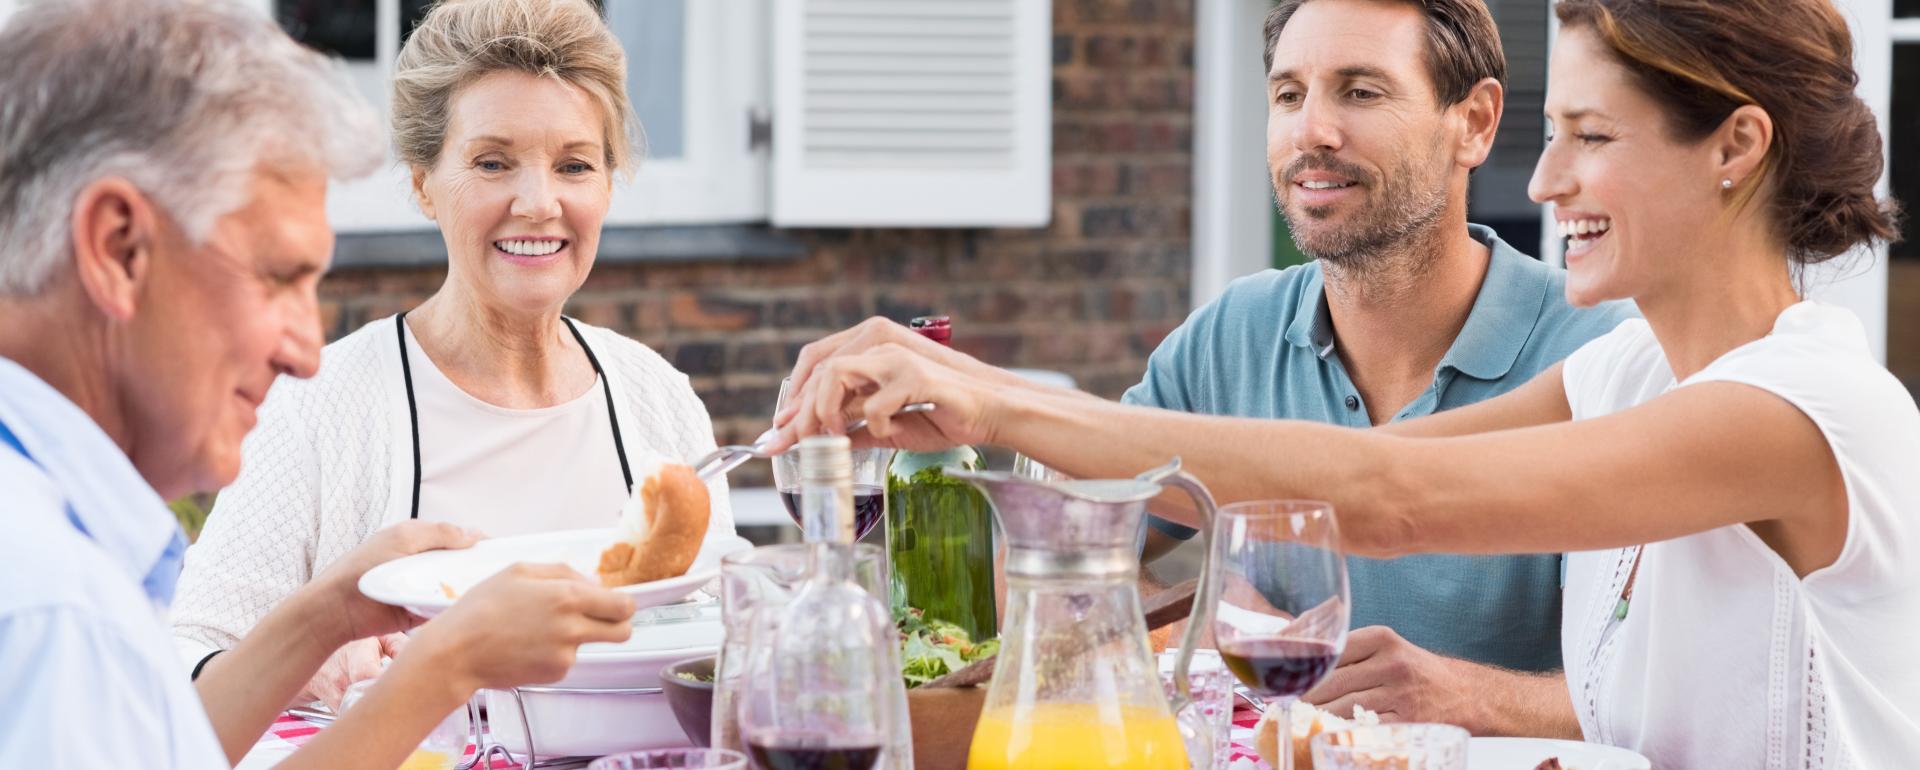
x,y
1353,402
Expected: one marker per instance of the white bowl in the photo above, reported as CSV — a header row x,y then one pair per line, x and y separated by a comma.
x,y
634,717
421,583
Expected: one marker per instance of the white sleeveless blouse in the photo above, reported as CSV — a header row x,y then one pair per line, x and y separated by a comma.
x,y
1726,659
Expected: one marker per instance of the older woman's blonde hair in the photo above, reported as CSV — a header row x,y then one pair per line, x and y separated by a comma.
x,y
461,41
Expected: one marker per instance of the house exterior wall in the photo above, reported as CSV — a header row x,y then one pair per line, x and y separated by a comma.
x,y
1090,295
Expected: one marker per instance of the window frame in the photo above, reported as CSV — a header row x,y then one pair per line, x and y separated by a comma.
x,y
721,178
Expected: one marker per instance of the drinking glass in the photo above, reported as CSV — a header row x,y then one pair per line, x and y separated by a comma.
x,y
1405,746
869,479
673,759
1210,686
440,749
1281,616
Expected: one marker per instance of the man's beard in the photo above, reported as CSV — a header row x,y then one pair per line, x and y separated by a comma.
x,y
1390,227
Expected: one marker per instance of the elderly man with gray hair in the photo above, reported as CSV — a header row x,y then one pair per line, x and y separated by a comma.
x,y
163,171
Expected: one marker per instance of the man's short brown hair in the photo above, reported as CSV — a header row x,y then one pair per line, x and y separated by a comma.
x,y
1463,44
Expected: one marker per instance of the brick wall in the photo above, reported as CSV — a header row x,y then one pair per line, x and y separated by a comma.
x,y
1090,295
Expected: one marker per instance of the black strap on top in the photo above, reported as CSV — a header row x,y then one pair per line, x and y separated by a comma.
x,y
606,389
413,407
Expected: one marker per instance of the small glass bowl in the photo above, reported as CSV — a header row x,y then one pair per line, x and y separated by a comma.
x,y
698,759
1405,746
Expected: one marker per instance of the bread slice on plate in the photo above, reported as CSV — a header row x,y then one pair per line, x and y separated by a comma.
x,y
1307,721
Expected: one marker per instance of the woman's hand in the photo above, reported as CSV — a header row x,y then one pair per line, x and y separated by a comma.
x,y
875,332
357,660
352,615
521,626
876,383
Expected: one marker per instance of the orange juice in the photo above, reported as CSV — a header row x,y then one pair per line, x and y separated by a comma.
x,y
1069,736
428,760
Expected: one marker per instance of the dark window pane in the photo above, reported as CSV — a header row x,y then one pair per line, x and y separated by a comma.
x,y
1906,8
342,27
1903,158
411,11
1903,271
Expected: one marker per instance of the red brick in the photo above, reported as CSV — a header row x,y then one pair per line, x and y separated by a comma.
x,y
695,310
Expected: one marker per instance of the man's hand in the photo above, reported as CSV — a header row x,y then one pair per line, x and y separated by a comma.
x,y
521,626
338,587
1403,683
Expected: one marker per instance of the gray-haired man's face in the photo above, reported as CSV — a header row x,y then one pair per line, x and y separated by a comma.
x,y
1355,140
217,323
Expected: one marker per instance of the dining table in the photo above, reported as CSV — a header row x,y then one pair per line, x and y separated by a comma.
x,y
291,731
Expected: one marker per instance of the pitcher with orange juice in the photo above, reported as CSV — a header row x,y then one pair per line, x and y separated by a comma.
x,y
1076,685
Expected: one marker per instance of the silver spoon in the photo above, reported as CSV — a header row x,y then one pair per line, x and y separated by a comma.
x,y
723,460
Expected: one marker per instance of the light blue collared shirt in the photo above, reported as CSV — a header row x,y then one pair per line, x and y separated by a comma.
x,y
1265,348
88,671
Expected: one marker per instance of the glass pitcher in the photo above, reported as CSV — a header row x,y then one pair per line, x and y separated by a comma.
x,y
1076,684
755,586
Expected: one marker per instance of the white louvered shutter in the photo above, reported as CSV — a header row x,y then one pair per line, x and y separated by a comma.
x,y
912,113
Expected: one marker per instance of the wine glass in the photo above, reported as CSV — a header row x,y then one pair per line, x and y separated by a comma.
x,y
1281,616
869,479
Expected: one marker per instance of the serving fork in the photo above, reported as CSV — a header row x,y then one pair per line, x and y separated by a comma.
x,y
720,461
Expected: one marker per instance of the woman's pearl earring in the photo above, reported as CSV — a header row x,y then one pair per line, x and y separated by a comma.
x,y
1726,184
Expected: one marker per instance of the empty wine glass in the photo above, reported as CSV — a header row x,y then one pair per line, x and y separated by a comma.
x,y
1281,616
869,479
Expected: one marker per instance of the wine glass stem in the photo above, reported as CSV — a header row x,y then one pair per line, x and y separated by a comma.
x,y
1282,710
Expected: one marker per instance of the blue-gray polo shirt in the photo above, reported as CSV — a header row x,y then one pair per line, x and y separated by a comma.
x,y
1265,348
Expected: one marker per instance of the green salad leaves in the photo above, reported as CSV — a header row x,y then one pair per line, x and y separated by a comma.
x,y
930,649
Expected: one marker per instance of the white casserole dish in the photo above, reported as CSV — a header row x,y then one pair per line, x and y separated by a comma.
x,y
569,723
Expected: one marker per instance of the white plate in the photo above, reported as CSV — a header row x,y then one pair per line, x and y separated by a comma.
x,y
1525,753
415,582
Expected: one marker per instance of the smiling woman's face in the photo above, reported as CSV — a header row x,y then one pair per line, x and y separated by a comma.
x,y
1634,203
520,190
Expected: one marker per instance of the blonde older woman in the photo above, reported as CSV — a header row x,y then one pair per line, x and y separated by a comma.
x,y
484,406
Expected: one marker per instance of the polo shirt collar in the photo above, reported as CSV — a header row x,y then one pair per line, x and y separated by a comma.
x,y
1497,327
1312,325
1503,314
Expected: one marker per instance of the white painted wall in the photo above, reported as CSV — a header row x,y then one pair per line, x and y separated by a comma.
x,y
1859,281
1232,197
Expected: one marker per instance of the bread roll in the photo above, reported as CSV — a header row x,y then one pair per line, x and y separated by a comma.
x,y
1305,722
665,521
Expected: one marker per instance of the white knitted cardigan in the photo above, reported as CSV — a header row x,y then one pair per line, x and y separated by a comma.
x,y
331,462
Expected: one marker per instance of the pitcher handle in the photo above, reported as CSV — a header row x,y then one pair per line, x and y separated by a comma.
x,y
1171,475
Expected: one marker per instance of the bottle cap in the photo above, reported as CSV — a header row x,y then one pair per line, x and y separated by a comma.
x,y
825,460
938,328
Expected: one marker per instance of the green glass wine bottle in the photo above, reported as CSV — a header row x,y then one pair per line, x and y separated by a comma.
x,y
940,530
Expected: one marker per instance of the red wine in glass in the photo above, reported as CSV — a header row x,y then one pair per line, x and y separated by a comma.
x,y
869,504
1279,667
804,754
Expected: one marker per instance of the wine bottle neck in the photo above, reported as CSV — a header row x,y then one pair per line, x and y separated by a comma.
x,y
827,511
826,490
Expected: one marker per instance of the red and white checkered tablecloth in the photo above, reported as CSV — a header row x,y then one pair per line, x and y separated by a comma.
x,y
290,732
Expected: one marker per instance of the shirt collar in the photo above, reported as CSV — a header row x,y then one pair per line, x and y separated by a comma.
x,y
107,499
1496,329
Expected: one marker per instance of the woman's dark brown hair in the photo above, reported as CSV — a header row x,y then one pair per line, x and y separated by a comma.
x,y
1702,59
